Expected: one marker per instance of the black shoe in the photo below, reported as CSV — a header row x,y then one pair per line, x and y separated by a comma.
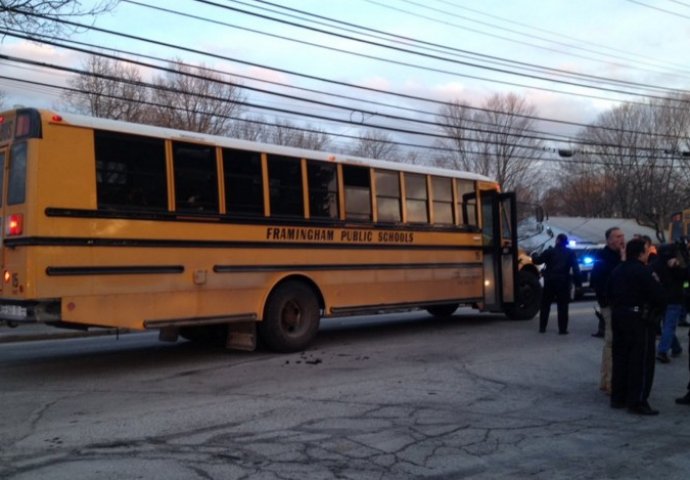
x,y
684,324
684,400
598,334
663,358
542,330
617,405
677,354
564,332
642,409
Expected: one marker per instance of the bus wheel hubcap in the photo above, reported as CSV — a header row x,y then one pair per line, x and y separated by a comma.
x,y
291,317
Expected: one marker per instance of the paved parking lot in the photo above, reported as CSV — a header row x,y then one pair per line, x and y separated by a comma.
x,y
388,397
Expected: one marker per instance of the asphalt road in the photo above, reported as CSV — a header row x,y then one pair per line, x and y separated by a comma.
x,y
390,397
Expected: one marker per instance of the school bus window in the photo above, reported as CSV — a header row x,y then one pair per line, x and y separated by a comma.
x,y
16,188
196,178
323,189
416,198
285,183
243,185
357,186
467,204
388,196
130,172
505,221
443,200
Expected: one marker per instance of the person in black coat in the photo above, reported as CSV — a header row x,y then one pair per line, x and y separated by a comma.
x,y
672,271
635,295
560,261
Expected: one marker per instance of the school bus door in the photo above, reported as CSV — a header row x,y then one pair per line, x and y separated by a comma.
x,y
499,238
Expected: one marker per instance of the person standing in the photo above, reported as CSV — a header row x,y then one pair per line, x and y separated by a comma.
x,y
673,274
559,261
609,258
634,295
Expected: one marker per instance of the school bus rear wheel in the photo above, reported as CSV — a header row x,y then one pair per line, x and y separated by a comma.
x,y
291,318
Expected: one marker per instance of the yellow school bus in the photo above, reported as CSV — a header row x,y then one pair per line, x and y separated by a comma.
x,y
113,224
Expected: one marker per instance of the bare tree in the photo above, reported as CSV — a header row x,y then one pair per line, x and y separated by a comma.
x,y
254,128
2,100
287,133
108,89
494,141
376,144
633,164
196,99
582,192
282,132
33,16
456,120
507,151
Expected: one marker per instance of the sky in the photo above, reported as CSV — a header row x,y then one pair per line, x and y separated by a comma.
x,y
470,48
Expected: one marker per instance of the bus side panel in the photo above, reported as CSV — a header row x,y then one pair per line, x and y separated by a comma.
x,y
66,153
358,278
137,310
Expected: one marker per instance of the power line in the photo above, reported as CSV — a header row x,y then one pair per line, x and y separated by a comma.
x,y
262,66
379,34
372,112
427,56
520,134
659,9
425,147
634,57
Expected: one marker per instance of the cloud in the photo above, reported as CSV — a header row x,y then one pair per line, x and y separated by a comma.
x,y
22,93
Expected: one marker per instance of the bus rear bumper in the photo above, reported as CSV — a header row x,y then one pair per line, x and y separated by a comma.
x,y
29,311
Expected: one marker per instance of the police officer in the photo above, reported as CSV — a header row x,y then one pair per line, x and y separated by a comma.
x,y
609,258
560,261
634,294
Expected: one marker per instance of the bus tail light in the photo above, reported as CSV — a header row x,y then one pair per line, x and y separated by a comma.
x,y
15,225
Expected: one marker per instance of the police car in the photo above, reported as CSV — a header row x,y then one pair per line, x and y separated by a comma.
x,y
587,254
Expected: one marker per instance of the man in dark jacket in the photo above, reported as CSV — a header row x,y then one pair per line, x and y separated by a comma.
x,y
560,261
609,258
634,294
672,271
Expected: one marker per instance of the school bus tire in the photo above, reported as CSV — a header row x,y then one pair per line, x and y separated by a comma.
x,y
442,311
291,318
528,297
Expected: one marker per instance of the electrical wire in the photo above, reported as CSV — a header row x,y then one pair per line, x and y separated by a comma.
x,y
426,147
230,59
376,113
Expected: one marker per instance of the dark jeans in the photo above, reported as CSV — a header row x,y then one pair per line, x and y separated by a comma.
x,y
558,290
633,354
